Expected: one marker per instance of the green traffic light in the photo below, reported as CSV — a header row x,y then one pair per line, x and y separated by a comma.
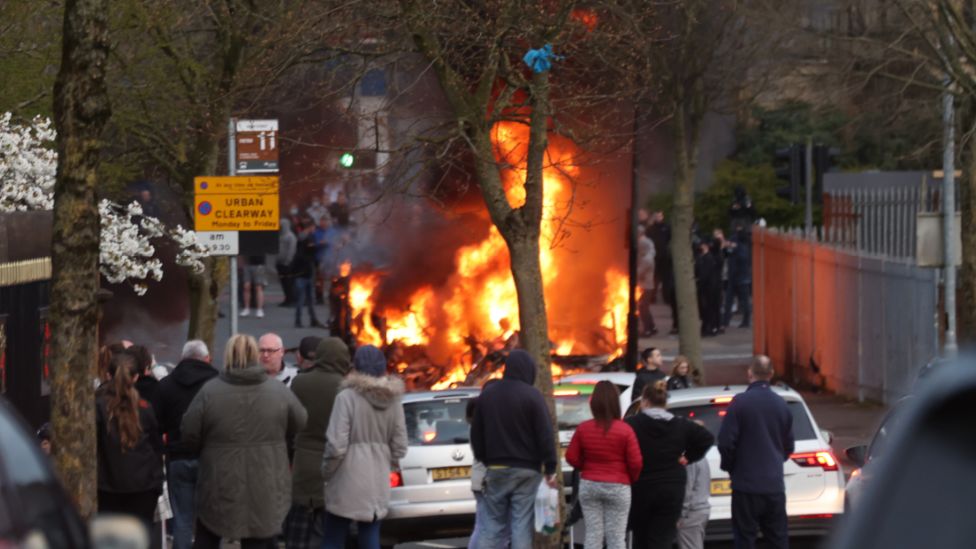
x,y
347,160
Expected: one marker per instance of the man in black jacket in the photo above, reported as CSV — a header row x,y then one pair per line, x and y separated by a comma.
x,y
174,395
512,435
755,439
652,362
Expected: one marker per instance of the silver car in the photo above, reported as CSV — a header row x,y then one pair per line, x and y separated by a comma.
x,y
431,493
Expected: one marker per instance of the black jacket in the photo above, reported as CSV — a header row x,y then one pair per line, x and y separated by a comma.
x,y
139,469
148,388
680,382
663,442
755,439
511,423
646,377
175,393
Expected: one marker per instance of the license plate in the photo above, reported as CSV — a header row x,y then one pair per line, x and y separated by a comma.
x,y
450,473
721,487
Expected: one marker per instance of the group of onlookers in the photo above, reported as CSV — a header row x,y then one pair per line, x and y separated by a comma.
x,y
253,451
722,269
645,474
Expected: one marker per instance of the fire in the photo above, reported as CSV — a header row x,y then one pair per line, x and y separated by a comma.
x,y
475,312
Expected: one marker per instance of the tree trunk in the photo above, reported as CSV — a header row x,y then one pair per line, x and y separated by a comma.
x,y
205,288
686,293
966,295
81,110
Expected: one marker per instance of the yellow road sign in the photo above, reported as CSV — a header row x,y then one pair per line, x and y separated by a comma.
x,y
236,204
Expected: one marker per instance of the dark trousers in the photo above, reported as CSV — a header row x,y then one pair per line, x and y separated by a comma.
x,y
739,292
141,505
654,513
644,311
208,539
287,282
303,293
752,513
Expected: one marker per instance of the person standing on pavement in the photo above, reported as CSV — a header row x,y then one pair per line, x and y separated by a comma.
x,y
239,422
316,387
755,440
651,370
645,278
287,244
303,271
130,463
680,374
176,391
512,435
660,233
667,444
254,277
605,451
696,508
366,438
738,251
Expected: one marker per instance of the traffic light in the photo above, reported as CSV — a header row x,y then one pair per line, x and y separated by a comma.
x,y
824,158
358,159
789,168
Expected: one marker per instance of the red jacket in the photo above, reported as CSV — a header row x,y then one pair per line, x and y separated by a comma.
x,y
611,456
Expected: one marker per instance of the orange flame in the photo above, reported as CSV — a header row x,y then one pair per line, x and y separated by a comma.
x,y
479,301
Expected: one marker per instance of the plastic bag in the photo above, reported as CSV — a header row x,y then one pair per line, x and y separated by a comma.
x,y
546,508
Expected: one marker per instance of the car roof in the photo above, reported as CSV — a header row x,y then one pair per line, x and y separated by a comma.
x,y
460,392
705,394
617,378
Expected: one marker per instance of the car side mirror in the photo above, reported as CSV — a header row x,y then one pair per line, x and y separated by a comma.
x,y
118,532
828,436
857,454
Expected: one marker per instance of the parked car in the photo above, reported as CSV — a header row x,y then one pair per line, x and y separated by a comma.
x,y
34,509
431,493
867,457
814,480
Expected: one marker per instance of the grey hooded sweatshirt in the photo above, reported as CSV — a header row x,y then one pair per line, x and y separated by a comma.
x,y
367,435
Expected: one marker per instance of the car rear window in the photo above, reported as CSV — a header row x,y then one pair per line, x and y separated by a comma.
x,y
437,422
571,410
711,415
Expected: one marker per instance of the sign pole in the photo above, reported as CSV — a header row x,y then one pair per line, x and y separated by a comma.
x,y
232,170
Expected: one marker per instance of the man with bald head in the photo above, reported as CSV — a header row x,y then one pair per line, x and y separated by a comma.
x,y
755,439
272,353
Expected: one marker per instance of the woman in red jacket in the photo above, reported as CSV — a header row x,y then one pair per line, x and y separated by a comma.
x,y
606,452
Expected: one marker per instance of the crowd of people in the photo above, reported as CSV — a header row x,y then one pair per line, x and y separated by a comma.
x,y
256,451
723,269
645,474
311,246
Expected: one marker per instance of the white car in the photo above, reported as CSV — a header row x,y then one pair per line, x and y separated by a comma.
x,y
431,493
814,480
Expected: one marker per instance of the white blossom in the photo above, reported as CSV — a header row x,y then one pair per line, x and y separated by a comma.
x,y
28,164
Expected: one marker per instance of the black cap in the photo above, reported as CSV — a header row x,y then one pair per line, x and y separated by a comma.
x,y
307,346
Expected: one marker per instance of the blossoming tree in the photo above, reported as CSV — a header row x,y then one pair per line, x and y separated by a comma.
x,y
28,164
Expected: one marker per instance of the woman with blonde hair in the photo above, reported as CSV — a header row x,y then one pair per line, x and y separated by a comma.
x,y
680,374
239,423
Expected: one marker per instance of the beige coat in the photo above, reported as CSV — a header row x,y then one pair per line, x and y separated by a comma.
x,y
367,436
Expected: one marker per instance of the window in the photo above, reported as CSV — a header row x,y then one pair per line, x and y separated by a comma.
x,y
572,410
711,415
437,422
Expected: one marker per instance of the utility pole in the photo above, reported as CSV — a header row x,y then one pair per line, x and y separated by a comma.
x,y
808,176
232,170
949,216
630,358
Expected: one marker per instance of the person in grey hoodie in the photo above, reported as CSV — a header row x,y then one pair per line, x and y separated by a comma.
x,y
239,423
287,245
316,388
367,436
696,509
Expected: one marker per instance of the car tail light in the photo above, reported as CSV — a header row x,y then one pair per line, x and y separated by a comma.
x,y
855,473
396,479
823,459
566,392
722,400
